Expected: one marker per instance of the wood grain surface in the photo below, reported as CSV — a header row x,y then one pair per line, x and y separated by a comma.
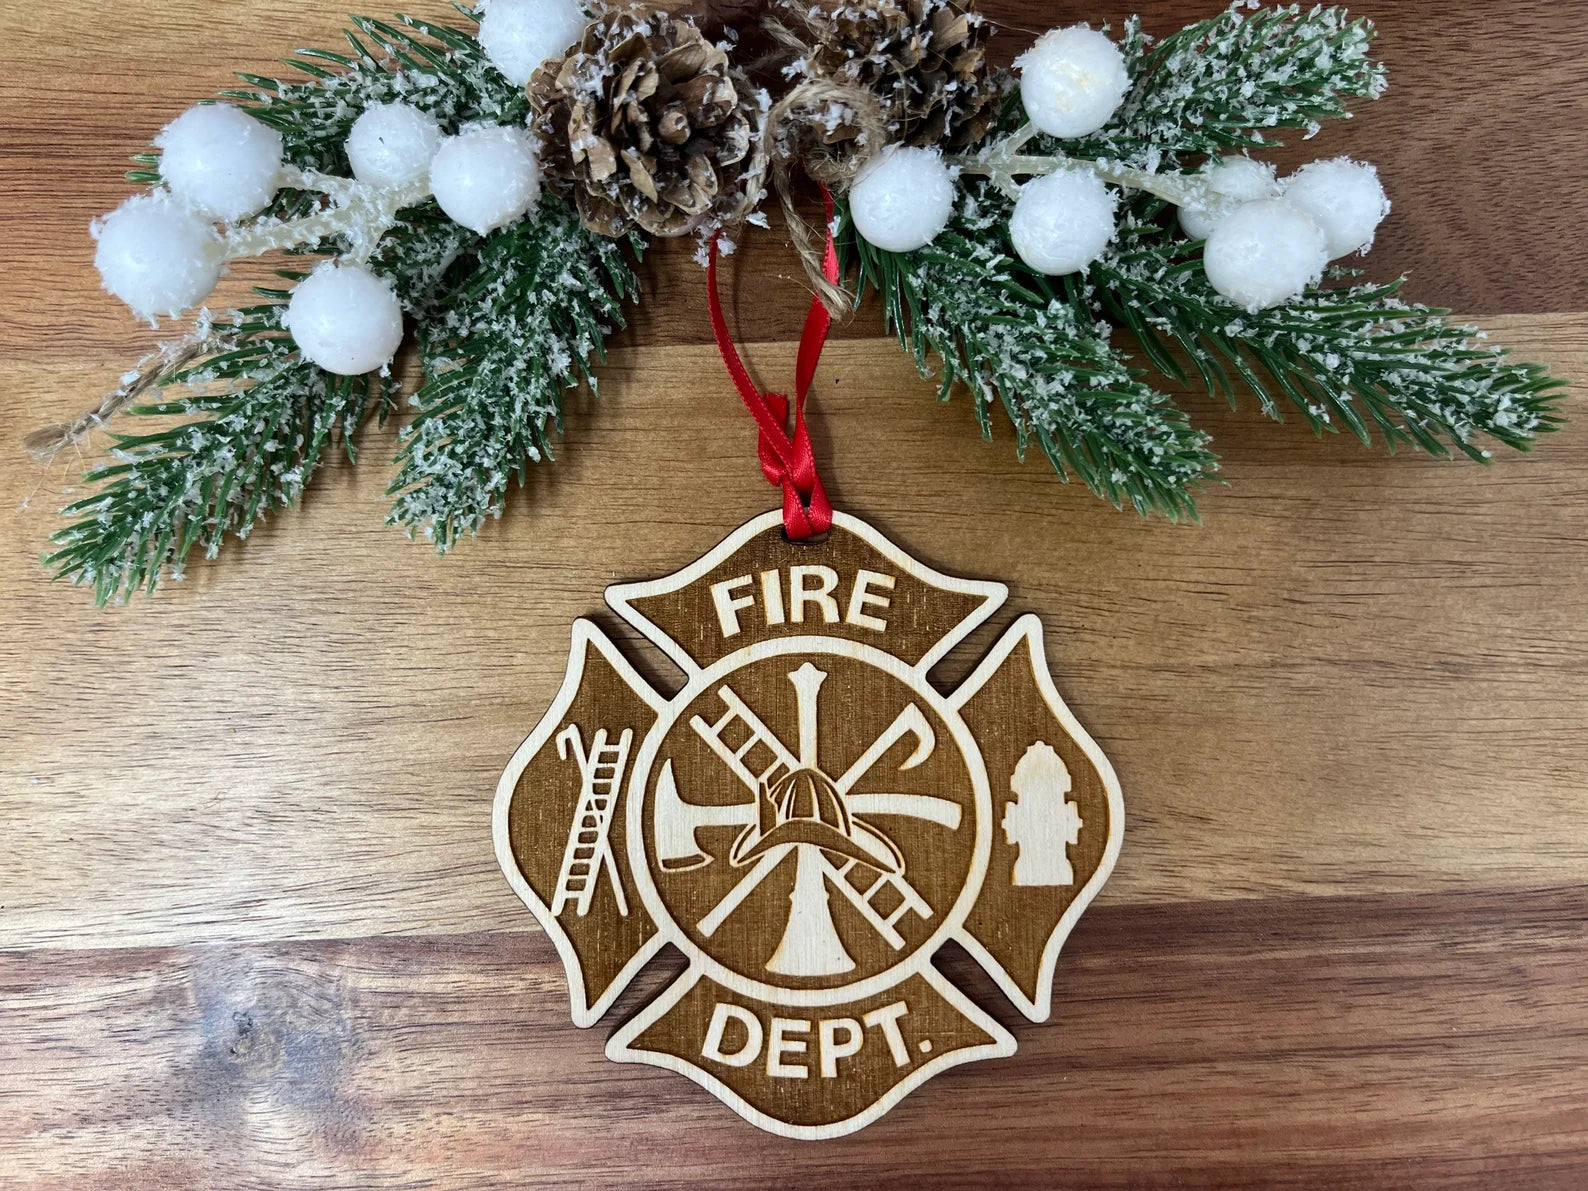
x,y
252,933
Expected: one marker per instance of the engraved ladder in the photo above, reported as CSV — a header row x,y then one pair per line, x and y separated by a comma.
x,y
589,839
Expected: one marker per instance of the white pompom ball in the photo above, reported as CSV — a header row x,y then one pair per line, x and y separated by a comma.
x,y
1072,81
1264,254
346,319
902,199
157,256
519,35
486,177
392,144
1239,179
1063,222
221,161
1345,198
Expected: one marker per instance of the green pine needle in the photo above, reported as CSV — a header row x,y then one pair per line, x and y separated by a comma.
x,y
498,353
1354,357
1221,84
250,428
969,308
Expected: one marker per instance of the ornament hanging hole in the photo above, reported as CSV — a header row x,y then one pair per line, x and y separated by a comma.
x,y
816,539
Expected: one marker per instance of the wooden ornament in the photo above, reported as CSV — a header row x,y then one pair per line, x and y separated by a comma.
x,y
808,820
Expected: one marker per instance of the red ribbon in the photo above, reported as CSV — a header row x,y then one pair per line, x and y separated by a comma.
x,y
787,461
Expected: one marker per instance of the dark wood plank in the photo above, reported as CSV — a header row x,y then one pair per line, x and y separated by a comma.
x,y
1383,1042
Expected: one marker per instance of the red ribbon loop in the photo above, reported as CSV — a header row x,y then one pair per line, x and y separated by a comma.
x,y
788,461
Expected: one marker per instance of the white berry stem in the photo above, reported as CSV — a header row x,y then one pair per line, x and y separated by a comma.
x,y
1005,165
361,213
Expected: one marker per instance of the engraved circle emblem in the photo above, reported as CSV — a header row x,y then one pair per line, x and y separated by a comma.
x,y
821,787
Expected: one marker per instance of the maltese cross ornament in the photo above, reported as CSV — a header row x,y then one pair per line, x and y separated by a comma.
x,y
808,820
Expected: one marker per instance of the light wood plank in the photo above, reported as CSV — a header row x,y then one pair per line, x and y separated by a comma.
x,y
1362,674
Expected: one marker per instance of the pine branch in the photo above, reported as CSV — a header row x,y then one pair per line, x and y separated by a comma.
x,y
498,353
252,423
1219,85
232,455
424,255
1353,356
509,322
1037,350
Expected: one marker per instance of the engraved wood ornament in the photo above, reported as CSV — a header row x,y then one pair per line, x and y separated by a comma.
x,y
808,820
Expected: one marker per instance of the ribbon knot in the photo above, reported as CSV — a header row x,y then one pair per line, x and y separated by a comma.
x,y
787,460
807,512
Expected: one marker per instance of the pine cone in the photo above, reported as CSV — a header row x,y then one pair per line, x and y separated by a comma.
x,y
651,125
925,60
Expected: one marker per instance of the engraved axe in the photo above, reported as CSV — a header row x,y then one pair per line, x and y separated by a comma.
x,y
678,820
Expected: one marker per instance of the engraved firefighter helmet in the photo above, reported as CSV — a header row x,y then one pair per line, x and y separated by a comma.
x,y
804,806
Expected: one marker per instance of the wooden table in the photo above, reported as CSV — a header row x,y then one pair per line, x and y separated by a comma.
x,y
251,930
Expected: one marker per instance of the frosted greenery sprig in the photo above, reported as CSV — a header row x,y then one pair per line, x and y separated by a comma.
x,y
437,68
1090,182
1116,193
1231,82
1093,114
498,352
245,418
242,433
969,310
1349,357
